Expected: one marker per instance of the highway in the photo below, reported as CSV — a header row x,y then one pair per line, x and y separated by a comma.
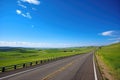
x,y
80,67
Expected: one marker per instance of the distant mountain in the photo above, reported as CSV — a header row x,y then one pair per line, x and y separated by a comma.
x,y
9,48
5,47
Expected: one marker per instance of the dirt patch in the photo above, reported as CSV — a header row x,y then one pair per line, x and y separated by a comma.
x,y
104,69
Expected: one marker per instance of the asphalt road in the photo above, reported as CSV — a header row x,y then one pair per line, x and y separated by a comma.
x,y
78,67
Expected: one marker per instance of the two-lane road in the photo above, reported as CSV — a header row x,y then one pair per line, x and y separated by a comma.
x,y
78,67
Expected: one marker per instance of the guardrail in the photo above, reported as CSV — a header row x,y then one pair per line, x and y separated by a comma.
x,y
28,64
24,65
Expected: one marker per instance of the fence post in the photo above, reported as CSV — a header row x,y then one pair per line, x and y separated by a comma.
x,y
23,65
36,62
41,61
30,63
3,69
15,66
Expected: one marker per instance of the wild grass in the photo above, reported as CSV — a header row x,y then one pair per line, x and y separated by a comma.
x,y
23,55
111,56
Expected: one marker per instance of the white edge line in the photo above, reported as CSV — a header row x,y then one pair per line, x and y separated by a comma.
x,y
18,73
95,73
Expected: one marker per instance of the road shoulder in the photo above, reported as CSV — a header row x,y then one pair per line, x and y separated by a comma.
x,y
105,70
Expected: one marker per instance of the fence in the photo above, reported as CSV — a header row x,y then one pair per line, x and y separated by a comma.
x,y
28,64
24,65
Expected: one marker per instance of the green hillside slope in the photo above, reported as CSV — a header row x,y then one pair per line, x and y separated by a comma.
x,y
23,55
111,57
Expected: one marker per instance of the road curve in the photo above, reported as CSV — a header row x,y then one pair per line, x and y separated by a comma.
x,y
78,67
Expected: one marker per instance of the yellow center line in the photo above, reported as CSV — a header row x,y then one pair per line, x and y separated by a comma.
x,y
59,70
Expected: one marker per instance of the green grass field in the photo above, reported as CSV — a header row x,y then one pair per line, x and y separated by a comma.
x,y
111,56
22,55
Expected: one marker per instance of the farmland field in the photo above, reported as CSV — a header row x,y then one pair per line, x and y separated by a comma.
x,y
110,55
23,55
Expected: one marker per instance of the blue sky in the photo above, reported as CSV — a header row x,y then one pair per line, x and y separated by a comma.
x,y
59,23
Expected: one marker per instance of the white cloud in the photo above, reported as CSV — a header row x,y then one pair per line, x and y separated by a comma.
x,y
111,33
114,35
108,33
115,40
35,2
23,6
20,4
34,9
31,44
27,15
18,11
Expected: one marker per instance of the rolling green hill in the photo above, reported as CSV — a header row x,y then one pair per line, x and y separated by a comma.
x,y
22,55
111,57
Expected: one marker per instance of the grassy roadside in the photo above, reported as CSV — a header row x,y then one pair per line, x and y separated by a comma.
x,y
22,55
109,59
